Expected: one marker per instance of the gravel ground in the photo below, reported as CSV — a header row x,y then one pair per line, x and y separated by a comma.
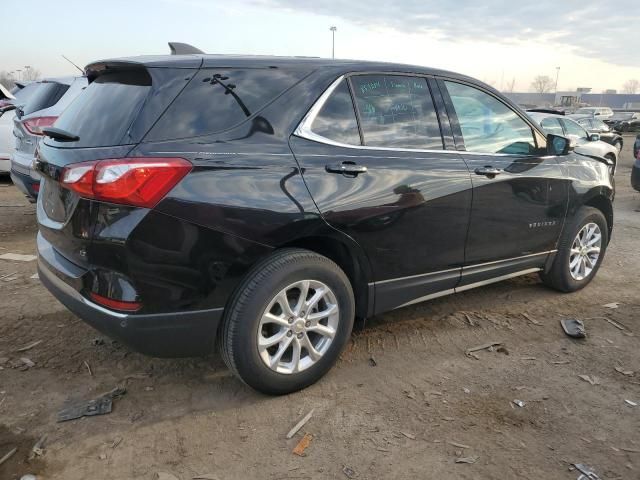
x,y
404,400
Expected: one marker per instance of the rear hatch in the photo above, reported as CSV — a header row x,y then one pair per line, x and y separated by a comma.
x,y
28,122
106,121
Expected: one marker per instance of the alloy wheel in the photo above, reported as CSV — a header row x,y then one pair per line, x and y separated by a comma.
x,y
298,326
585,251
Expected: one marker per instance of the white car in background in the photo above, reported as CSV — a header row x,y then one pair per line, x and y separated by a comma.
x,y
582,141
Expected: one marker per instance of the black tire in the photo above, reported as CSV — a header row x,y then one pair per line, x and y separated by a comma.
x,y
238,334
559,275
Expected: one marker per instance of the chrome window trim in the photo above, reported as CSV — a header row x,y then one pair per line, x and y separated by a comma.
x,y
303,130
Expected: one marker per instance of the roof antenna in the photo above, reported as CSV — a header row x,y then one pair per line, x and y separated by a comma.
x,y
81,71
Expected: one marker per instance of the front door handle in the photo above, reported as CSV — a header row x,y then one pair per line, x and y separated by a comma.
x,y
346,168
488,171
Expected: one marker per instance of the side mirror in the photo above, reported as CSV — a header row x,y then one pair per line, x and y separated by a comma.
x,y
558,145
594,137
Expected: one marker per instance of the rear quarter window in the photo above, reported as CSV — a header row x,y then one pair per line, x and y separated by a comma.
x,y
44,96
219,99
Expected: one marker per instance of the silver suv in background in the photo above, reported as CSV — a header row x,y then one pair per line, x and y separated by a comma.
x,y
582,141
598,112
9,100
41,110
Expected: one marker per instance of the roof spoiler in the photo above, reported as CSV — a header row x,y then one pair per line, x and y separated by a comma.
x,y
546,110
178,48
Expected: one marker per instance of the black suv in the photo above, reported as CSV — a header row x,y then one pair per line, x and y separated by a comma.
x,y
266,202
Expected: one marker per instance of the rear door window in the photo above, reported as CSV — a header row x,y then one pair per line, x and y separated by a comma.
x,y
337,118
574,129
46,95
396,111
488,125
219,99
552,125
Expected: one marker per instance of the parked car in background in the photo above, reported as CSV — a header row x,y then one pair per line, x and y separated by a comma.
x,y
582,141
595,125
8,102
265,202
635,171
625,121
42,108
598,112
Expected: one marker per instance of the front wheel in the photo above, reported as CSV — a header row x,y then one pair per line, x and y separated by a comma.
x,y
288,322
580,251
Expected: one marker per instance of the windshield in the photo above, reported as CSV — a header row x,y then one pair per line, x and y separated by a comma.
x,y
586,111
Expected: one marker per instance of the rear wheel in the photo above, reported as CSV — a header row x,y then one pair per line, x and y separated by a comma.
x,y
288,322
580,251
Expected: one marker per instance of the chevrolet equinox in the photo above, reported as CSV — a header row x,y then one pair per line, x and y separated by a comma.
x,y
263,203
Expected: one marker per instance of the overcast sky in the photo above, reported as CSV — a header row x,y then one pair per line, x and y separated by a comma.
x,y
594,42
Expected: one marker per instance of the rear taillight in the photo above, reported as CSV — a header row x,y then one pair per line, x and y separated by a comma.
x,y
115,304
35,125
140,182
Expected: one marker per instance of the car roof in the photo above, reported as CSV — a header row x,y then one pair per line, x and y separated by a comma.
x,y
239,61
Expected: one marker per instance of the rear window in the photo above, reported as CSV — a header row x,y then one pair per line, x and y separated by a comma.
x,y
104,112
22,95
218,99
44,96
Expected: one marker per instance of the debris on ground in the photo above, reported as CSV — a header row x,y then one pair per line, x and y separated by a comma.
x,y
372,361
467,460
459,445
611,305
532,320
410,436
8,455
38,449
628,373
629,402
97,341
27,363
18,257
303,444
485,346
573,327
348,471
593,380
86,364
28,476
29,347
35,276
205,476
300,424
166,476
518,403
98,406
587,472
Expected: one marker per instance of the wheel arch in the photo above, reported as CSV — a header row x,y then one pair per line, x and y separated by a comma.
x,y
602,203
350,258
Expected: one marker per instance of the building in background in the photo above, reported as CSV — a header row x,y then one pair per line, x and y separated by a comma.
x,y
581,97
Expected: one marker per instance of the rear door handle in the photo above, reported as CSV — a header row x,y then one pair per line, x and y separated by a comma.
x,y
346,168
488,171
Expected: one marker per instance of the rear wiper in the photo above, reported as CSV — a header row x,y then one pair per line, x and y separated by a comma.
x,y
60,134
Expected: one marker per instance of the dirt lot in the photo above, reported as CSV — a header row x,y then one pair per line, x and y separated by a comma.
x,y
403,402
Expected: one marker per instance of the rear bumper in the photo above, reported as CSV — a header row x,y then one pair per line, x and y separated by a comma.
x,y
26,184
176,334
5,164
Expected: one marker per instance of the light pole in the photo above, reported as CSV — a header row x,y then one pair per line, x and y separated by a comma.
x,y
333,41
